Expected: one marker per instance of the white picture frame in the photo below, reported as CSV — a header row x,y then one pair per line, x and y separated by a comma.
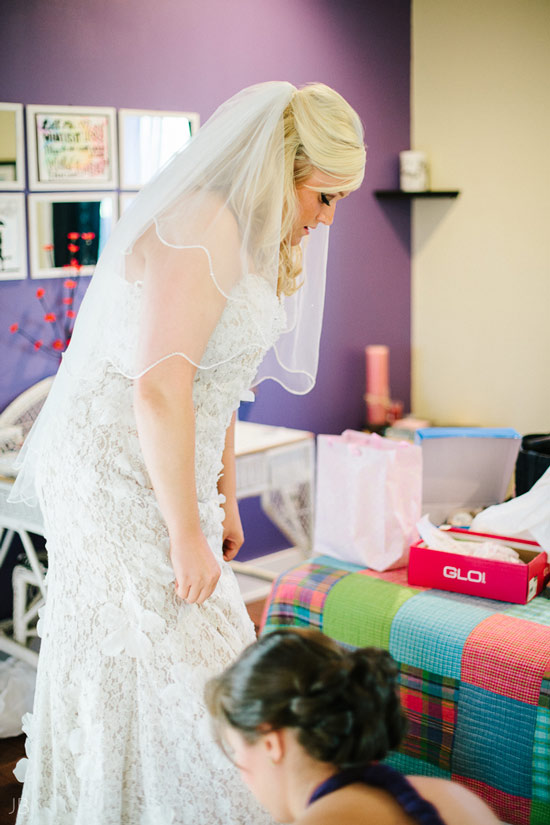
x,y
12,147
147,139
13,237
48,226
72,147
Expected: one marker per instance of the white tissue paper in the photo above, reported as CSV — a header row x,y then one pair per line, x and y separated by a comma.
x,y
437,539
526,517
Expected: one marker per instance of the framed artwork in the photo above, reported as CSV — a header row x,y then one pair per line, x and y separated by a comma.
x,y
13,237
72,147
147,139
68,231
12,147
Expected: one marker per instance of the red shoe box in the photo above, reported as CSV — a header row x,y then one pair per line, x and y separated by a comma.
x,y
490,579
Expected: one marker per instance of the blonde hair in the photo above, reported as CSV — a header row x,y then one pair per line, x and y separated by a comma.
x,y
321,132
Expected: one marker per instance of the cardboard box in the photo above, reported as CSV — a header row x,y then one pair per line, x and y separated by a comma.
x,y
490,579
465,467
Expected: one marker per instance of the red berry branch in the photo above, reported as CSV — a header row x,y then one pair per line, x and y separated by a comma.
x,y
61,324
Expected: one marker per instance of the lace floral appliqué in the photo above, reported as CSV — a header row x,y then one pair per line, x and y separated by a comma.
x,y
130,627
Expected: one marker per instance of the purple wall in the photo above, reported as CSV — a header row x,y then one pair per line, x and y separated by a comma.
x,y
184,54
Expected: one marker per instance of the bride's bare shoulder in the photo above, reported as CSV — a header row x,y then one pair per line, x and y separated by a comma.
x,y
178,236
199,218
456,804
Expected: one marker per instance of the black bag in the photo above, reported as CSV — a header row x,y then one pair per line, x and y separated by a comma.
x,y
533,461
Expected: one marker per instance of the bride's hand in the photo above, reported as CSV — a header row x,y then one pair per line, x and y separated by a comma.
x,y
233,536
197,571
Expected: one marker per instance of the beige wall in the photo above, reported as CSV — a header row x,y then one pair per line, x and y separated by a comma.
x,y
481,264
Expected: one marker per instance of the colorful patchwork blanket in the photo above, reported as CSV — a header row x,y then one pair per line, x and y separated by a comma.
x,y
474,674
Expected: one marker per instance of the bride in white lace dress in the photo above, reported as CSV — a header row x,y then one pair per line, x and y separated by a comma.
x,y
132,461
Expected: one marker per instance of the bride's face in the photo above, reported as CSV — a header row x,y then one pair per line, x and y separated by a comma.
x,y
315,207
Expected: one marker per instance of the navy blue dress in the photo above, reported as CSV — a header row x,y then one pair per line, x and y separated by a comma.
x,y
387,779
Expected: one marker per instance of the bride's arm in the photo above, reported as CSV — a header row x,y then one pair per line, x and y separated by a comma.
x,y
163,405
233,536
181,307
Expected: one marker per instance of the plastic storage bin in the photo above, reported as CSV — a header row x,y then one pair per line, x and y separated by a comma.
x,y
467,467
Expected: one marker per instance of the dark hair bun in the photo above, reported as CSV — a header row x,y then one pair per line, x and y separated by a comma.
x,y
351,714
342,704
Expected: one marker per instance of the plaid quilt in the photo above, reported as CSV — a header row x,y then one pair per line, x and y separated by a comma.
x,y
474,675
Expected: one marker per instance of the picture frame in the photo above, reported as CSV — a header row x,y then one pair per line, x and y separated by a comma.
x,y
71,147
68,231
12,147
147,139
13,237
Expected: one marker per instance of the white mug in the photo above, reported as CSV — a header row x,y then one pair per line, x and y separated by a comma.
x,y
413,171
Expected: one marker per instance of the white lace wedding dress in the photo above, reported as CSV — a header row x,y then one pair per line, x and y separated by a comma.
x,y
119,732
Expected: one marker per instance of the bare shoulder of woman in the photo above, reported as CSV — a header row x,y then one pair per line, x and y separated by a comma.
x,y
456,804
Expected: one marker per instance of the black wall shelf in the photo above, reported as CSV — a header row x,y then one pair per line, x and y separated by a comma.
x,y
397,194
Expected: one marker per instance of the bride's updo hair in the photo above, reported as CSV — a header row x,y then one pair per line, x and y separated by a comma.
x,y
343,705
321,132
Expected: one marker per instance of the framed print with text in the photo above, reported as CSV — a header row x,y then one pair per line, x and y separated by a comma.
x,y
72,147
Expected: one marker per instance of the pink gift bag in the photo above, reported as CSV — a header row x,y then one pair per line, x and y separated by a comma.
x,y
368,498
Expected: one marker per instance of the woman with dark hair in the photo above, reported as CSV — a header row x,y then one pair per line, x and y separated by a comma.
x,y
307,722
